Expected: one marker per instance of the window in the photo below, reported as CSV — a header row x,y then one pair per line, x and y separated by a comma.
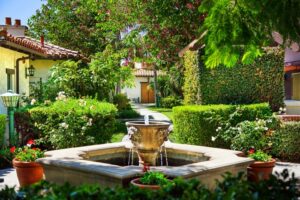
x,y
10,73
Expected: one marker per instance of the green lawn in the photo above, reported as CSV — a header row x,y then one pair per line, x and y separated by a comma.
x,y
166,111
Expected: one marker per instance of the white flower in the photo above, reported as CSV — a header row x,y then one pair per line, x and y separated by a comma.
x,y
64,125
213,138
281,109
83,128
33,101
90,122
219,128
266,128
82,102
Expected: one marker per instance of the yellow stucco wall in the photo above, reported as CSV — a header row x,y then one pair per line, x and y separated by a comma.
x,y
8,60
296,86
41,69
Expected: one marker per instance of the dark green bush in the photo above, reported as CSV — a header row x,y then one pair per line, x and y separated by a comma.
x,y
286,142
2,128
127,114
73,122
261,81
198,124
232,187
122,102
170,102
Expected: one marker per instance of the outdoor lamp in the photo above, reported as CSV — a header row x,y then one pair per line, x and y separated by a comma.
x,y
10,100
29,71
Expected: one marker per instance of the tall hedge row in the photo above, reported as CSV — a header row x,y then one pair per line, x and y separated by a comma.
x,y
262,81
198,124
2,128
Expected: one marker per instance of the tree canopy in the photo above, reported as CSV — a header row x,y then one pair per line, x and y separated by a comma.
x,y
238,29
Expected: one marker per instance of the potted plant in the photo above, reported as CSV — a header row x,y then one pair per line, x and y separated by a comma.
x,y
262,167
28,171
151,180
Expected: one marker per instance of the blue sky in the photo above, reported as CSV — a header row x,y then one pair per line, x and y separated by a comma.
x,y
18,9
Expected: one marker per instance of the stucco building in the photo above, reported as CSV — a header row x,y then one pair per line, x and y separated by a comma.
x,y
19,53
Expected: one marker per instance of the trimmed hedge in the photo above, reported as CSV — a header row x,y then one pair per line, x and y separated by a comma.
x,y
262,81
2,128
197,124
286,142
170,102
74,122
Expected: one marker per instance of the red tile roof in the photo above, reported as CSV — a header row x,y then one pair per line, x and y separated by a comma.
x,y
147,73
47,50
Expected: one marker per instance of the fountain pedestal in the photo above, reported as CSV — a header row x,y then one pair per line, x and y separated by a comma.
x,y
147,139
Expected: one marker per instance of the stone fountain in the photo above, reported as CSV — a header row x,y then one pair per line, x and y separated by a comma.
x,y
147,139
108,164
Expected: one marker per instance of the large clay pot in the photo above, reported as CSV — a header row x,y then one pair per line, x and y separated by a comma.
x,y
136,182
28,172
260,170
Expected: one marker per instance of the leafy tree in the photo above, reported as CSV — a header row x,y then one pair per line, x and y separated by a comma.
x,y
72,24
237,30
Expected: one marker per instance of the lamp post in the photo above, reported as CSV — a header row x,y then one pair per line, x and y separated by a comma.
x,y
10,101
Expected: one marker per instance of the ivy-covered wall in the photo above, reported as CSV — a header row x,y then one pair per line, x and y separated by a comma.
x,y
262,81
191,86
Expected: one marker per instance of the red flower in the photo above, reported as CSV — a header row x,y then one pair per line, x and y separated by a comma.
x,y
12,149
251,151
145,167
30,142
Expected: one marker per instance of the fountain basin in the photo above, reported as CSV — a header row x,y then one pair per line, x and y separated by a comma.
x,y
95,164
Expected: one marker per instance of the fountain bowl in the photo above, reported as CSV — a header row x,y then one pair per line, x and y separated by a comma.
x,y
147,139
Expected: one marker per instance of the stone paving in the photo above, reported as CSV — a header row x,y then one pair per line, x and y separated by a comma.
x,y
143,110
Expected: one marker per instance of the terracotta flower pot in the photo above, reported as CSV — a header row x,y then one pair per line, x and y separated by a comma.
x,y
28,172
136,182
260,170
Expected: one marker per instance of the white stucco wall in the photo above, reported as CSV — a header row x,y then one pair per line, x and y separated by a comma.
x,y
135,91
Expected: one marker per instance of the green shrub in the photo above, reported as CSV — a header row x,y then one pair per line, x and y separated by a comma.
x,y
262,81
73,122
127,114
122,102
154,178
170,102
2,128
286,142
199,124
232,187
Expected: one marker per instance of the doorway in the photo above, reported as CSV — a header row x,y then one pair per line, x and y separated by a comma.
x,y
147,93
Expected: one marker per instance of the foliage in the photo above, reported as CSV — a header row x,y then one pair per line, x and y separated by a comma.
x,y
199,125
71,24
72,122
2,128
107,72
250,134
285,141
128,113
281,186
231,25
71,77
27,154
261,81
192,85
170,102
6,156
154,178
260,156
122,102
